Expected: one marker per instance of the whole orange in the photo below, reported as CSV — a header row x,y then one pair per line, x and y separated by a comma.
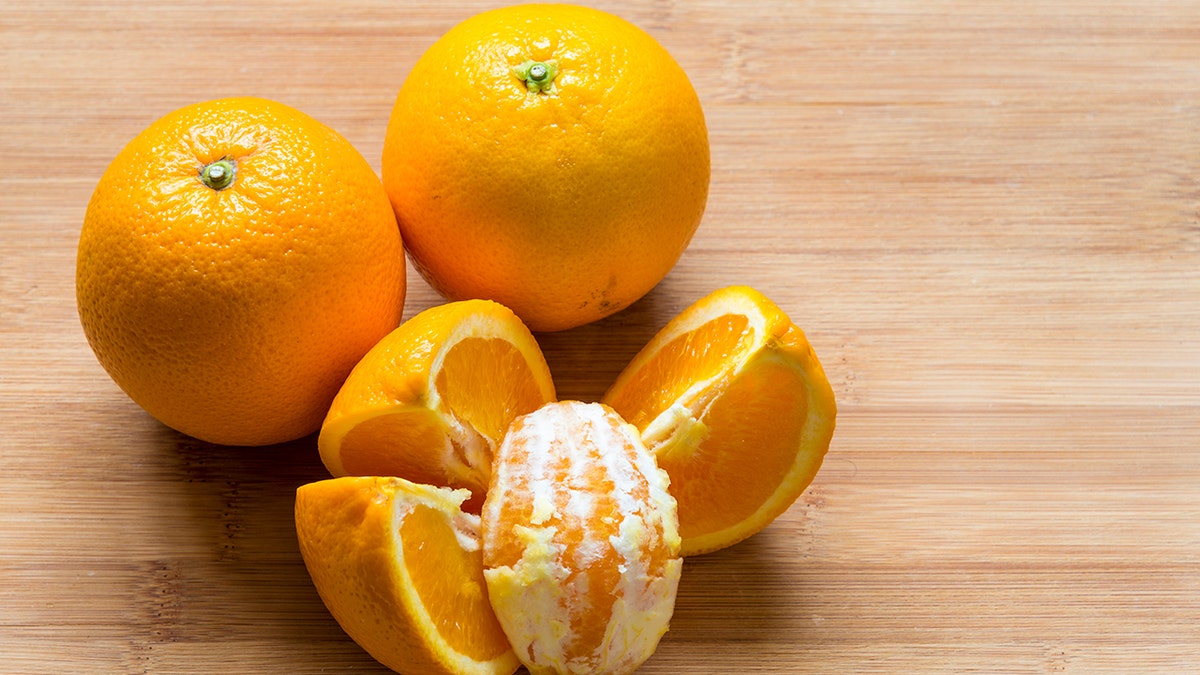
x,y
236,260
552,158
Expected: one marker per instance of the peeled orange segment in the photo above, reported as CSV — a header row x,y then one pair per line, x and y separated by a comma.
x,y
430,402
400,567
580,542
732,401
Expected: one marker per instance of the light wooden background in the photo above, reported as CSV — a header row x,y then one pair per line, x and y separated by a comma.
x,y
983,214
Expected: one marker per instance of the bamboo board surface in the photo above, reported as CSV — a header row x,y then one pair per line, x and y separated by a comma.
x,y
985,216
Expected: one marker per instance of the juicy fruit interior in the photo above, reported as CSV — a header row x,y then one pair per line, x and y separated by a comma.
x,y
752,432
693,357
393,445
483,383
580,540
446,566
736,409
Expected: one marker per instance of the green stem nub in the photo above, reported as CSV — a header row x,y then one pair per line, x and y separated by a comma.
x,y
538,76
219,175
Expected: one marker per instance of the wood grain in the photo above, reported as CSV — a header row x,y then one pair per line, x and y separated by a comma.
x,y
986,217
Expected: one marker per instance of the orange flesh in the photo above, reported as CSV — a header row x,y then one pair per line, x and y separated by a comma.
x,y
449,581
739,444
599,576
485,383
733,403
395,445
578,482
693,357
487,370
407,445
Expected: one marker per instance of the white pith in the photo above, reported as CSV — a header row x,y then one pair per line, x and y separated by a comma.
x,y
539,631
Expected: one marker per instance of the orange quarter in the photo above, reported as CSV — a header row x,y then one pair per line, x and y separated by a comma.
x,y
735,406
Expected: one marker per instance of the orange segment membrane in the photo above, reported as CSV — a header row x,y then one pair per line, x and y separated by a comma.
x,y
580,541
449,580
753,430
394,445
485,383
408,445
695,356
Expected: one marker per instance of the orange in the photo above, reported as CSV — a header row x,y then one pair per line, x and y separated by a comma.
x,y
400,567
553,158
236,260
430,402
580,542
733,402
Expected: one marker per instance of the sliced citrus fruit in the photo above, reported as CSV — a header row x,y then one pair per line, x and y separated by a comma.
x,y
400,567
430,402
732,401
580,542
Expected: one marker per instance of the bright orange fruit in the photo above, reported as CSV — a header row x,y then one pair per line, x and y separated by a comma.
x,y
430,402
399,566
732,401
553,158
237,258
580,542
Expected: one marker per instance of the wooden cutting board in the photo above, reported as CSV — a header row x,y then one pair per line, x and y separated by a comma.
x,y
984,215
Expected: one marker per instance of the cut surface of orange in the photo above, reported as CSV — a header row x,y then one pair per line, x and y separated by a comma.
x,y
430,402
580,542
399,565
735,406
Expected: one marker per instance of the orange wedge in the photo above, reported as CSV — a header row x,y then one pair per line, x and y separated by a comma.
x,y
430,402
580,542
399,566
733,403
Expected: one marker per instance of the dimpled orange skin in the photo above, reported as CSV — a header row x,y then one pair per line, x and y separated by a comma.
x,y
565,205
233,315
